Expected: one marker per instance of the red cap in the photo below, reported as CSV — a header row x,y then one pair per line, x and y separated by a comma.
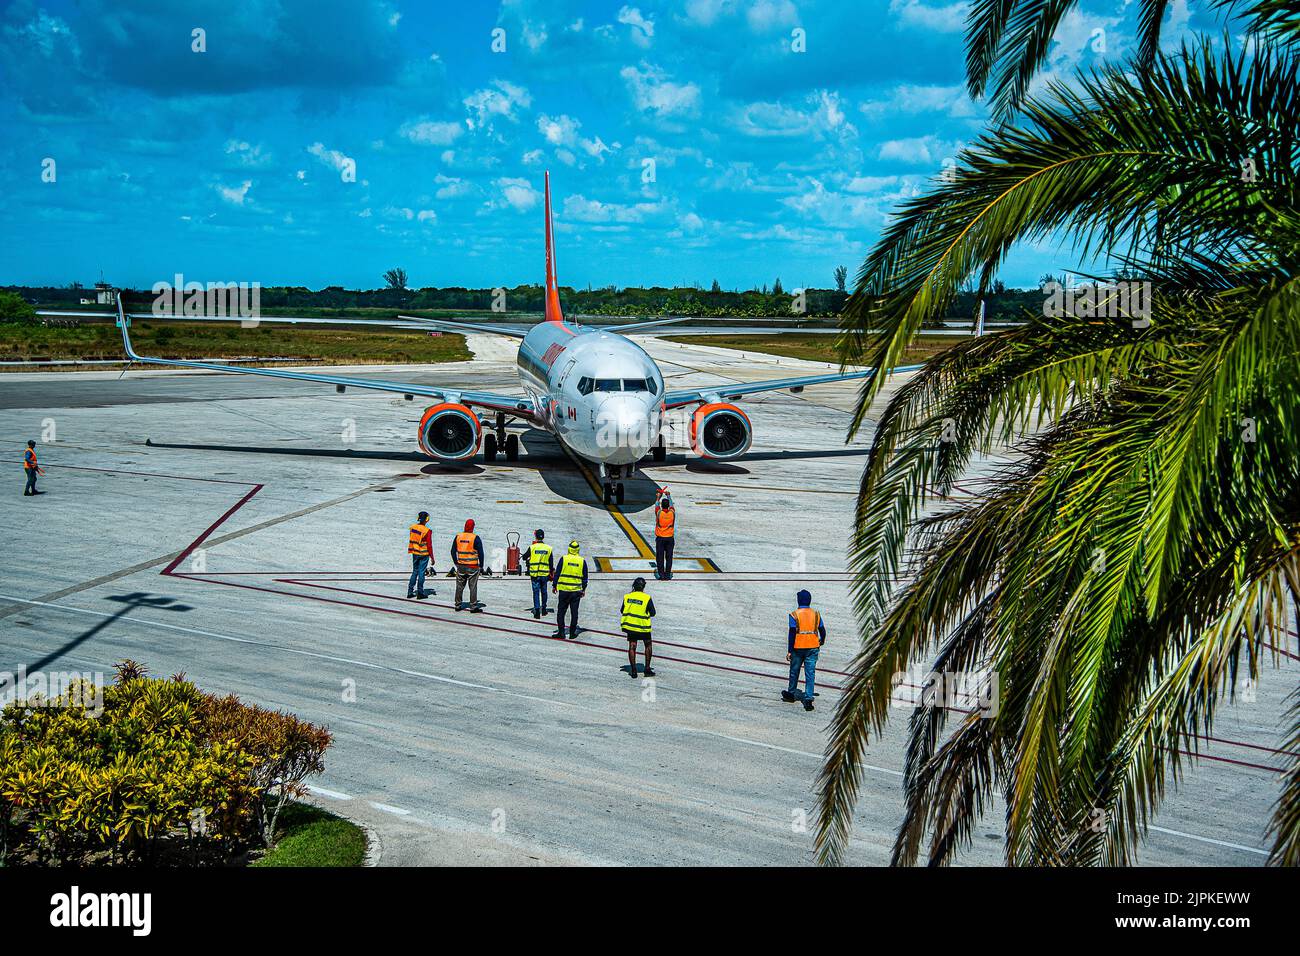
x,y
469,524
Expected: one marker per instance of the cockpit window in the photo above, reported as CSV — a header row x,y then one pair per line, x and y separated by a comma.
x,y
609,385
584,385
635,385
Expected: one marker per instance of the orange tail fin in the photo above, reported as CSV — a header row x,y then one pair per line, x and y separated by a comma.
x,y
553,313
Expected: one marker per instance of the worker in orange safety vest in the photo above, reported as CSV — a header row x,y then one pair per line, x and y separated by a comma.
x,y
31,468
467,556
807,635
665,531
420,548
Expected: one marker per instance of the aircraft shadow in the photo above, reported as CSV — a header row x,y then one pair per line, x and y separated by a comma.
x,y
540,452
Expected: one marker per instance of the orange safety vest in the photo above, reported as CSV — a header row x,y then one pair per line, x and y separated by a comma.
x,y
665,518
29,460
466,553
419,541
807,622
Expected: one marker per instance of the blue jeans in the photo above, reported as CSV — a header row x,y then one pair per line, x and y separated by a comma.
x,y
805,657
539,594
419,564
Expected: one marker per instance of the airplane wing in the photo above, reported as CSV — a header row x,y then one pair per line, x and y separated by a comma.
x,y
464,326
727,393
641,326
514,405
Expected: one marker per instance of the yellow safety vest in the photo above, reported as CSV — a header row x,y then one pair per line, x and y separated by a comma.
x,y
570,576
466,553
806,621
419,541
636,620
539,560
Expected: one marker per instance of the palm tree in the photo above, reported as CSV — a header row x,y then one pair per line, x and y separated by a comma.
x,y
1141,557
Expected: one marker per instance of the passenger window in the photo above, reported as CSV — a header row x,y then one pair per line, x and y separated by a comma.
x,y
584,386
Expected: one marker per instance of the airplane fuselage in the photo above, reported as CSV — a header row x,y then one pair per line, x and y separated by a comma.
x,y
599,392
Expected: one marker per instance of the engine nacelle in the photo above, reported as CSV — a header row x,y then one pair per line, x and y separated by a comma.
x,y
450,432
720,431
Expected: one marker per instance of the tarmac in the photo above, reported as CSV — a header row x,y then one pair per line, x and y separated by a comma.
x,y
252,535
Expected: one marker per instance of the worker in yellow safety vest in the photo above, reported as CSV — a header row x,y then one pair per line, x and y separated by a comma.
x,y
420,548
569,581
807,635
31,468
467,557
665,534
638,608
541,565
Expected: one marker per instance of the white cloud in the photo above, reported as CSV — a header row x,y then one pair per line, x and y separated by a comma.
x,y
823,115
532,157
332,157
581,209
927,150
426,215
235,195
652,90
949,18
246,153
430,132
596,148
449,187
558,130
691,222
519,194
642,28
766,14
912,99
501,98
705,12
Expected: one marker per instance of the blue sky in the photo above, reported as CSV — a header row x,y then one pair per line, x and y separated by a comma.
x,y
235,164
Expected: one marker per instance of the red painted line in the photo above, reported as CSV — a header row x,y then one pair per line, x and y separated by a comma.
x,y
1239,763
211,528
480,626
150,474
529,620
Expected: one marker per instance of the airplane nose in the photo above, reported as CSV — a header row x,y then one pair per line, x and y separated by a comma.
x,y
627,426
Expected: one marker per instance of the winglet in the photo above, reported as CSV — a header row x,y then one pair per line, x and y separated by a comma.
x,y
553,313
124,322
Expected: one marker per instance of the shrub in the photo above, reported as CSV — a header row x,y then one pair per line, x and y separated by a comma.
x,y
162,762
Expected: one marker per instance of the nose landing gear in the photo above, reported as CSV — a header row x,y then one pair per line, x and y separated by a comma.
x,y
611,478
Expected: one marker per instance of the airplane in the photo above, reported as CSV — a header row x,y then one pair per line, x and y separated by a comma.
x,y
599,393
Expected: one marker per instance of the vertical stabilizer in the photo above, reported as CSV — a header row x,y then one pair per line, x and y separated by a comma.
x,y
553,313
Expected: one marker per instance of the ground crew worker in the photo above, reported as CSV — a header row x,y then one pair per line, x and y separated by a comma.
x,y
31,468
540,563
570,583
467,557
665,529
807,635
638,608
420,549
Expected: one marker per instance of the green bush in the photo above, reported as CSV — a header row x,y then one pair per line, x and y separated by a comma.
x,y
14,308
164,765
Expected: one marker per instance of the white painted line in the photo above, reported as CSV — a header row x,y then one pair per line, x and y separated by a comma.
x,y
389,809
1201,839
786,750
332,794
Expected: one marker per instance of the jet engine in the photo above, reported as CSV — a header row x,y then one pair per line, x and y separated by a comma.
x,y
450,432
719,430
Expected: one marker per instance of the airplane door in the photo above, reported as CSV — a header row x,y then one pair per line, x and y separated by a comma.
x,y
565,374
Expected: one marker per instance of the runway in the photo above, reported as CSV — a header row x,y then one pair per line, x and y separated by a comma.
x,y
257,544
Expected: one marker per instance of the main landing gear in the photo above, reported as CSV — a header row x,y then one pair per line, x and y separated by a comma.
x,y
498,441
